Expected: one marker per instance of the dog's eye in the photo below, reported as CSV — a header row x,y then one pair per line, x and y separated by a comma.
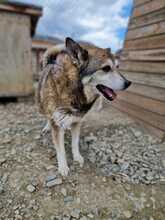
x,y
106,68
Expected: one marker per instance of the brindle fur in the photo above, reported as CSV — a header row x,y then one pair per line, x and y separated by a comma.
x,y
64,97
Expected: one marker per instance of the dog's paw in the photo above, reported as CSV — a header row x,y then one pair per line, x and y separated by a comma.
x,y
63,170
79,159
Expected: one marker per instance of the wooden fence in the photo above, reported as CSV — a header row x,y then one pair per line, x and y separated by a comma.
x,y
143,62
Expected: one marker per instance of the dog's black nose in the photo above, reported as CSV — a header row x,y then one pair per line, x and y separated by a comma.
x,y
127,84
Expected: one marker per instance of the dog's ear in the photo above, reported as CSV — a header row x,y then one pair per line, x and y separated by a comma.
x,y
78,54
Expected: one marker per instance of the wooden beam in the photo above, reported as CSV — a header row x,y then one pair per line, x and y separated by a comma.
x,y
148,91
147,19
149,104
140,2
147,67
21,10
144,55
146,31
140,113
151,129
148,7
152,79
155,42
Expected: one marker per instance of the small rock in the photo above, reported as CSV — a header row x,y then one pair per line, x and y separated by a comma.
x,y
127,214
50,167
1,205
137,133
15,207
2,160
90,215
37,137
69,199
30,188
66,218
90,138
1,189
78,200
50,178
55,218
17,212
75,213
54,182
18,217
64,192
83,218
104,179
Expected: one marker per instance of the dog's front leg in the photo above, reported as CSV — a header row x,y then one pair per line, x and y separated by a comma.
x,y
75,131
58,140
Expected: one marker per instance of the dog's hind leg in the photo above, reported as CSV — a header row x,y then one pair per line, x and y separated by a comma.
x,y
75,131
58,140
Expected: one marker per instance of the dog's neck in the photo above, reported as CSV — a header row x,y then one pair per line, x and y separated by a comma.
x,y
90,93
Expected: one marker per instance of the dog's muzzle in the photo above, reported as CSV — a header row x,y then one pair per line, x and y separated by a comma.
x,y
127,84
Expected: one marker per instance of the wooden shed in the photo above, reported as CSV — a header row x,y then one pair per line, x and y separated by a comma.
x,y
143,62
17,25
39,45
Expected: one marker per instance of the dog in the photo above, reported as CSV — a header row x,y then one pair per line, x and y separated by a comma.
x,y
74,76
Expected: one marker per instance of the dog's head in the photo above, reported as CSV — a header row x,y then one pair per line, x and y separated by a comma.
x,y
97,68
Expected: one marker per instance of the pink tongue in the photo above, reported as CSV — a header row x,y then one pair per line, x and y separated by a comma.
x,y
110,93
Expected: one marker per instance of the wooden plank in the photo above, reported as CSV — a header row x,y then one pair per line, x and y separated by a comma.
x,y
146,31
26,10
157,80
155,42
144,55
151,129
143,102
148,8
140,2
147,67
146,116
148,91
147,19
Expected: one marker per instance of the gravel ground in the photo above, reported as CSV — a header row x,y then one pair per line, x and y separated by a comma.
x,y
123,176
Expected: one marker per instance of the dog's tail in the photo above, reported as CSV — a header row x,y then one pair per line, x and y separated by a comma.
x,y
51,54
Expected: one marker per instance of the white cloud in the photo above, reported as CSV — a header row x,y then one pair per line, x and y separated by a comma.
x,y
95,21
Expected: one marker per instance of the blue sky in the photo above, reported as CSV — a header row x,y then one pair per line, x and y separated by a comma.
x,y
102,22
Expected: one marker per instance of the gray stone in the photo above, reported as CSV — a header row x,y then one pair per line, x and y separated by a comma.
x,y
56,218
90,215
51,177
69,199
1,205
1,189
50,167
83,218
18,217
75,213
54,182
30,188
66,218
2,160
127,214
64,192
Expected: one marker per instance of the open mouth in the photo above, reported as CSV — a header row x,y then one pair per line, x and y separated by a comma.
x,y
107,92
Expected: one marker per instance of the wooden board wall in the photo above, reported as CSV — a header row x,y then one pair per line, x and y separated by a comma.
x,y
143,62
